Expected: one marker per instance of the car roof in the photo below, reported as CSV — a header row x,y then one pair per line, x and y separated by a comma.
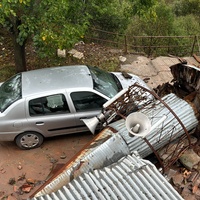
x,y
54,78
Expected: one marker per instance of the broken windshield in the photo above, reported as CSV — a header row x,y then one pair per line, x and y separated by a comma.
x,y
104,82
10,91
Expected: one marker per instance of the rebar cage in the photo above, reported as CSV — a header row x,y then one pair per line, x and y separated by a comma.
x,y
167,141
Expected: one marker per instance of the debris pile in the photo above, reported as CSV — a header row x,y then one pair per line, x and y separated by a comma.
x,y
186,84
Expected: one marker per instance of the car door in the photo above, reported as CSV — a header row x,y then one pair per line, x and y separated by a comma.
x,y
51,115
87,104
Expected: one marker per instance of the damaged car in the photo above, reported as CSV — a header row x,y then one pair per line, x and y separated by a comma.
x,y
54,101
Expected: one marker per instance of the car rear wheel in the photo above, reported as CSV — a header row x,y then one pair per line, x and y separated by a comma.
x,y
29,140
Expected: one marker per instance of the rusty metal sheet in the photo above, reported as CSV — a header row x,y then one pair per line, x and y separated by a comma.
x,y
129,178
105,149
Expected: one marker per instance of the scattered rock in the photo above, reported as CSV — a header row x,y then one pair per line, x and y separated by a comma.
x,y
190,159
63,156
26,187
122,58
76,54
15,188
146,80
177,179
31,181
12,181
193,176
2,170
19,167
22,177
187,194
53,160
11,197
171,173
61,53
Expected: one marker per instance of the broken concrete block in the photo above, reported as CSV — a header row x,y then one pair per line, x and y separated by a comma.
x,y
122,58
76,54
190,159
177,179
72,51
61,53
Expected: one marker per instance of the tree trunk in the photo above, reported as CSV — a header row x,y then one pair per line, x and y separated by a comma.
x,y
19,56
19,50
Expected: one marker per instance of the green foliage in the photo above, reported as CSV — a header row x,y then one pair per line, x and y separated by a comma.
x,y
14,17
59,24
144,8
164,23
186,25
108,15
187,7
47,21
160,25
57,28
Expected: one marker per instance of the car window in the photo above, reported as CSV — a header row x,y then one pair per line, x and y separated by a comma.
x,y
10,91
54,104
104,82
85,101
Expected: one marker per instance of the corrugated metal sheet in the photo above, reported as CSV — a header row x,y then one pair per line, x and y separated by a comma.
x,y
106,149
165,132
131,178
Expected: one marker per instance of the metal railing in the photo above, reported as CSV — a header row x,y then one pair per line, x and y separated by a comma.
x,y
149,45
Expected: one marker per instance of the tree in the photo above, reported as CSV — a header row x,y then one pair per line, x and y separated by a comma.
x,y
45,21
56,24
157,22
187,7
143,8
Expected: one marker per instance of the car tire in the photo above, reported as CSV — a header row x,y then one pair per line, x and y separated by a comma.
x,y
29,140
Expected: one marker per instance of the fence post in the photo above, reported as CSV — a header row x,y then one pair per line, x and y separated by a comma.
x,y
149,53
193,45
197,38
125,45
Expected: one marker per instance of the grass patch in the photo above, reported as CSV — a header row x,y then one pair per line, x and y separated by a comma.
x,y
6,72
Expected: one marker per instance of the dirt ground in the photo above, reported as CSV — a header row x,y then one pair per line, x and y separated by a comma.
x,y
24,171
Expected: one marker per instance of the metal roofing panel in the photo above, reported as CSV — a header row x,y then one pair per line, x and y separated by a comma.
x,y
129,178
161,135
107,148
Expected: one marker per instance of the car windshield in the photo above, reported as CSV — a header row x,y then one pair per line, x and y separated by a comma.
x,y
10,91
105,82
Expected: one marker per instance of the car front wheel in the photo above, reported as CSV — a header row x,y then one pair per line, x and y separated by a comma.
x,y
29,140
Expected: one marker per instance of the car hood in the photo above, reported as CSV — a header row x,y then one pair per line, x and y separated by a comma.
x,y
128,79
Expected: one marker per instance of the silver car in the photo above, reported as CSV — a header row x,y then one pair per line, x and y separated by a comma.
x,y
52,101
